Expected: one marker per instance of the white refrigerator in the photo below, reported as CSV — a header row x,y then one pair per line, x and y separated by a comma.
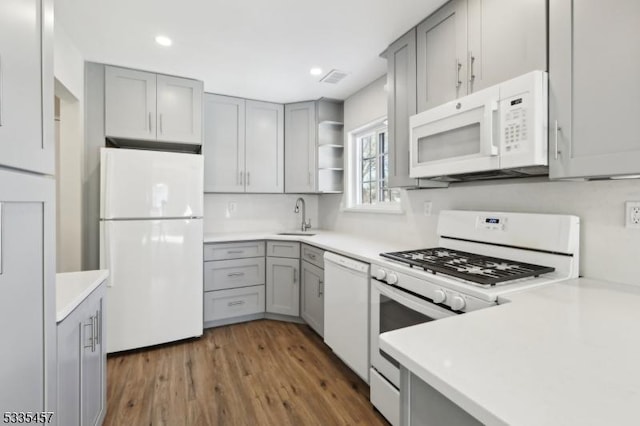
x,y
151,242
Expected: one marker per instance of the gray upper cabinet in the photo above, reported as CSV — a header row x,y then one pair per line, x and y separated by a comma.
x,y
300,147
442,55
223,147
26,86
264,144
130,104
243,145
468,45
179,109
506,39
144,106
593,88
401,104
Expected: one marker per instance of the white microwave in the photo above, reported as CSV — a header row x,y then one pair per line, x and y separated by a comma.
x,y
496,132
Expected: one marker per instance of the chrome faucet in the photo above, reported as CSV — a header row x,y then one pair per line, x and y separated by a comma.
x,y
306,223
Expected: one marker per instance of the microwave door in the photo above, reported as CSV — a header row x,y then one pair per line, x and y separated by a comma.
x,y
458,137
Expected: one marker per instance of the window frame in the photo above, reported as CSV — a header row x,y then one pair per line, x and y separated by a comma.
x,y
353,199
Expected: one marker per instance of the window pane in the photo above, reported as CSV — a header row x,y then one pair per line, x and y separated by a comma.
x,y
366,193
382,139
374,168
368,148
384,172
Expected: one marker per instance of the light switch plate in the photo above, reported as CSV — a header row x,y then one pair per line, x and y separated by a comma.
x,y
632,214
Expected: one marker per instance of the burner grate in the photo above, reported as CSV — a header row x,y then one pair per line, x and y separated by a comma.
x,y
484,270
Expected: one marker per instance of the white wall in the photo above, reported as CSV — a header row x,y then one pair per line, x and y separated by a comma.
x,y
69,88
608,250
256,212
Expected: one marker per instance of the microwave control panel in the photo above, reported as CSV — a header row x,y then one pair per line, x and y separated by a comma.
x,y
515,122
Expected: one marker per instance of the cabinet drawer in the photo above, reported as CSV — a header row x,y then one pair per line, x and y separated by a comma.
x,y
283,249
236,250
313,255
224,274
236,302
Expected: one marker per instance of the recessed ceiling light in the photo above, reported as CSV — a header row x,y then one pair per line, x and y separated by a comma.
x,y
315,71
163,40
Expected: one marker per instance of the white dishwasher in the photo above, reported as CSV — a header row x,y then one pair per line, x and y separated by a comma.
x,y
346,311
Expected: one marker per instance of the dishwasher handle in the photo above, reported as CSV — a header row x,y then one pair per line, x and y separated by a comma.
x,y
346,262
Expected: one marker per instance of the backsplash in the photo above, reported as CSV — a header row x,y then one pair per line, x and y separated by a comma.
x,y
256,212
608,250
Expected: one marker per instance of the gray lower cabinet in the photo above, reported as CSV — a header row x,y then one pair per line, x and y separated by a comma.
x,y
27,293
312,297
283,281
82,360
234,282
593,88
421,404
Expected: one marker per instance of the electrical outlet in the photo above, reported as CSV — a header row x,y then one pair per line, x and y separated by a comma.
x,y
632,209
428,205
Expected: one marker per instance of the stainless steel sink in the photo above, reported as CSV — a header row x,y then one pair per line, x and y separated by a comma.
x,y
296,233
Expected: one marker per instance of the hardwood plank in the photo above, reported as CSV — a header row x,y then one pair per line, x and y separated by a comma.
x,y
258,373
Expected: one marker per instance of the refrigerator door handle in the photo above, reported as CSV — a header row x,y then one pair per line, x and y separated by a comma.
x,y
106,249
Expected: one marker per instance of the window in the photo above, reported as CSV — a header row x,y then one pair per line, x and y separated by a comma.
x,y
369,170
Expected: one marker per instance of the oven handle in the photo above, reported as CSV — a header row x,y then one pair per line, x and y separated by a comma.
x,y
424,307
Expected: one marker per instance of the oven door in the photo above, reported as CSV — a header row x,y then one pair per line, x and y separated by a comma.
x,y
458,137
392,309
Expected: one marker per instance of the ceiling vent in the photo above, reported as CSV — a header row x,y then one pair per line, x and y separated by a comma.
x,y
334,77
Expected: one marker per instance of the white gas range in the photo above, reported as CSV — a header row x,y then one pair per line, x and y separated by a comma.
x,y
481,257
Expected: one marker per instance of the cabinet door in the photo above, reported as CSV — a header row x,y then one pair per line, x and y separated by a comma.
x,y
179,110
401,104
25,86
442,55
506,39
69,344
283,290
312,300
593,87
300,147
27,298
93,361
223,147
130,104
264,147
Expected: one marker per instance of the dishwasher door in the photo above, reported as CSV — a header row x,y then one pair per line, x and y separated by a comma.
x,y
346,311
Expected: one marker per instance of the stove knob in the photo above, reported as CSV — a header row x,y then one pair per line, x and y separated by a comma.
x,y
439,296
392,278
457,303
381,274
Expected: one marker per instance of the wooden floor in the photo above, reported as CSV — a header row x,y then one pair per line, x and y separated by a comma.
x,y
257,373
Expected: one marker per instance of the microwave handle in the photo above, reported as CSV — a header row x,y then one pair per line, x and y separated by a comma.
x,y
491,138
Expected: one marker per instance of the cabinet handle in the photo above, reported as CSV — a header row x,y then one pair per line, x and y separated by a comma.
x,y
236,303
235,251
320,284
235,274
556,130
309,178
472,75
241,177
248,178
1,93
149,122
311,256
458,81
295,273
161,124
92,341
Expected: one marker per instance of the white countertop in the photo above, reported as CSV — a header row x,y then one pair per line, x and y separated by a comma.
x,y
352,246
565,354
73,287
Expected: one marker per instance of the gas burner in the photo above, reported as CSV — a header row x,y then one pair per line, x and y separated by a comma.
x,y
475,268
502,266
